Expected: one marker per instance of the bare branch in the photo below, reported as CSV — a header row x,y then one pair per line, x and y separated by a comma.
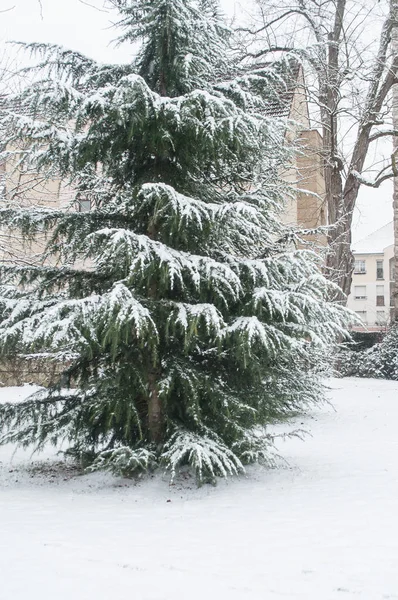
x,y
261,53
7,9
388,172
104,10
269,24
380,134
41,9
376,183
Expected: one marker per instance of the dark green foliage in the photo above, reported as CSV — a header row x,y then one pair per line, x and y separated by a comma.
x,y
183,43
362,340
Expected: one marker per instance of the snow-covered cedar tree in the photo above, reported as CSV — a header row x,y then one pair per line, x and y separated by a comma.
x,y
380,361
184,317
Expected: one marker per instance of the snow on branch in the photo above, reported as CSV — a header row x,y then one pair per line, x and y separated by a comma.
x,y
374,183
380,134
78,323
138,255
206,454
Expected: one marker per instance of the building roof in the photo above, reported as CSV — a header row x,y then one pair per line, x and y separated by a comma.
x,y
376,242
282,77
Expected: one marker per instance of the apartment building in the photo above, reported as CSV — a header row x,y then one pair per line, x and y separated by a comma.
x,y
371,289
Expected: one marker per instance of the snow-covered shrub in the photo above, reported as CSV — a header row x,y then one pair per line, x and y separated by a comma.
x,y
351,363
188,319
380,361
386,360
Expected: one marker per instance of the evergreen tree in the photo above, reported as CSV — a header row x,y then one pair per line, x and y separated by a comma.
x,y
184,316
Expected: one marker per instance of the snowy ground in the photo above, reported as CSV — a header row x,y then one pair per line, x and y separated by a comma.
x,y
323,527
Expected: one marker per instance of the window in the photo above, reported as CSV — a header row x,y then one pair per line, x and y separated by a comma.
x,y
362,315
381,317
379,269
360,292
360,267
84,206
379,295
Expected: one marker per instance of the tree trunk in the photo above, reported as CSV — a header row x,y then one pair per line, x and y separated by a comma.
x,y
339,259
155,409
394,316
339,262
156,416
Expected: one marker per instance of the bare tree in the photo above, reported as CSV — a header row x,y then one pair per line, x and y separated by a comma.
x,y
394,284
353,74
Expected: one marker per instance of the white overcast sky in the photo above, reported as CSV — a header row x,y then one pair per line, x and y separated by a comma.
x,y
76,25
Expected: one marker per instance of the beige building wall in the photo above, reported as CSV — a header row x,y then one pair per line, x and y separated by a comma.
x,y
289,214
299,116
299,112
311,202
25,188
307,208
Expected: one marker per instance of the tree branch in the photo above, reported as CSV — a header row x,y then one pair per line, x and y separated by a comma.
x,y
270,23
95,7
268,51
7,9
376,182
376,136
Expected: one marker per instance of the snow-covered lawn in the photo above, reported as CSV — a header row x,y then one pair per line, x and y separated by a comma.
x,y
322,527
